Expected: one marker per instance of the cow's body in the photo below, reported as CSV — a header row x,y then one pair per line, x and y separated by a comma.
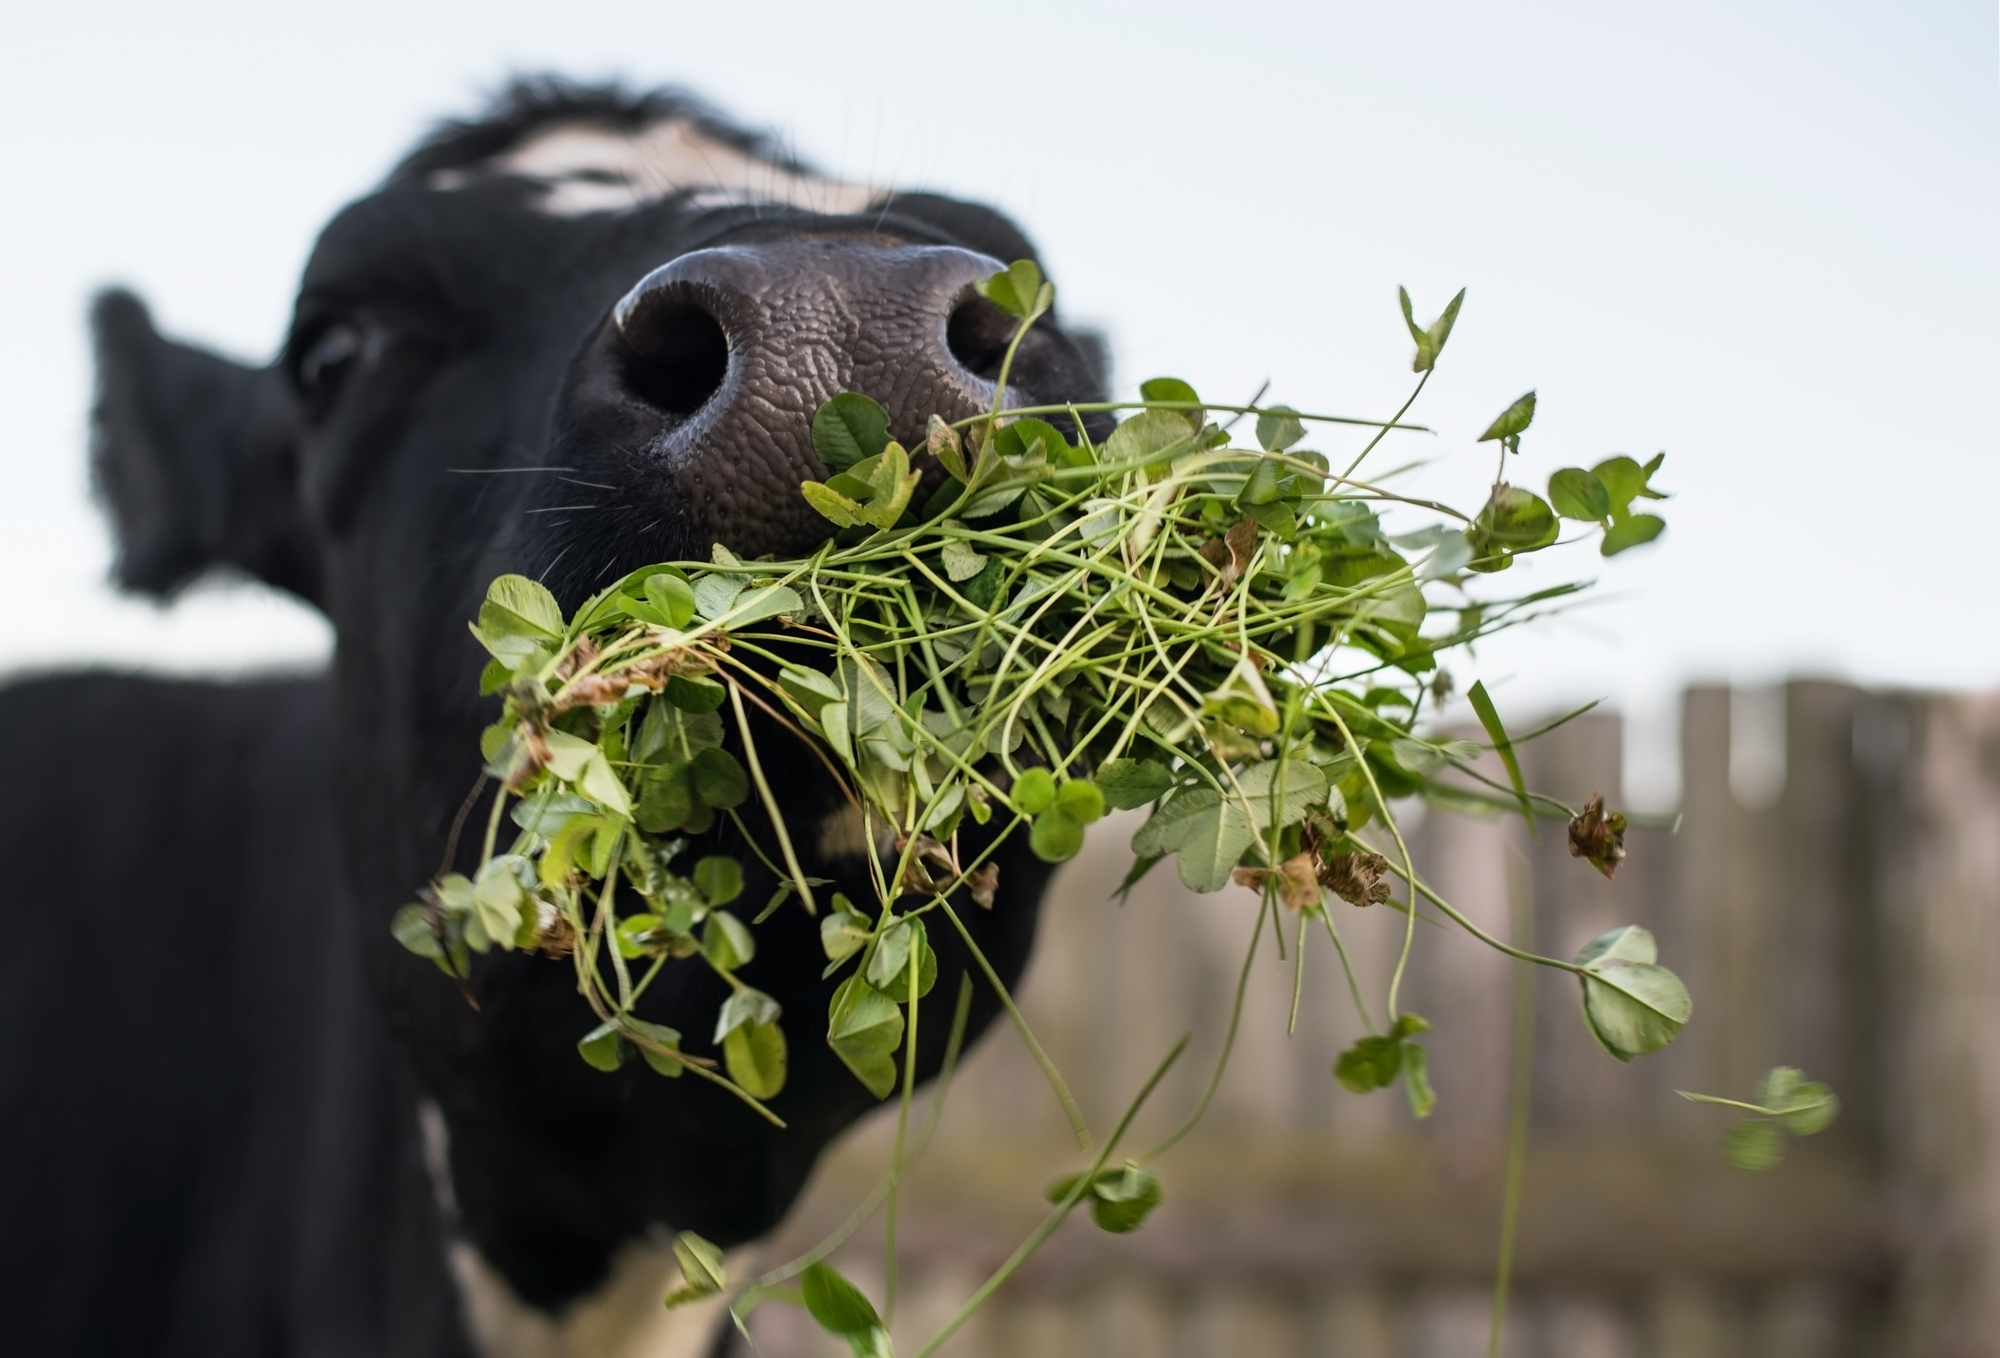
x,y
211,1149
237,1118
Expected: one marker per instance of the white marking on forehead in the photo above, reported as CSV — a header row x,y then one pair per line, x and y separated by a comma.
x,y
595,169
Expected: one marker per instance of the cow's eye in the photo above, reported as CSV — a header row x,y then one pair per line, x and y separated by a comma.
x,y
328,360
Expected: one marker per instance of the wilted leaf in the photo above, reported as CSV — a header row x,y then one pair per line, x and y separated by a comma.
x,y
1295,879
1358,878
982,883
943,443
1598,838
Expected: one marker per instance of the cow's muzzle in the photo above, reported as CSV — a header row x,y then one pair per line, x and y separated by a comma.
x,y
728,351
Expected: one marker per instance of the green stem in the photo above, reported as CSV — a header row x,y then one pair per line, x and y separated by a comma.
x,y
770,801
859,1216
1346,965
1056,1217
1228,1044
902,1137
1520,898
1054,1076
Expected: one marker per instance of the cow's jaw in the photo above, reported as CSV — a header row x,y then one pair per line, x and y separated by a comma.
x,y
583,168
621,1318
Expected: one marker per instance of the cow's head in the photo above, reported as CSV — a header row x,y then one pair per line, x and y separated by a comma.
x,y
582,334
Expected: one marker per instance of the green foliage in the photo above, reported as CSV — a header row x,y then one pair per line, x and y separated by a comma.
x,y
1511,423
840,1309
848,429
702,1271
1430,339
1019,290
1120,1199
1633,1005
1376,1061
1785,1103
1229,636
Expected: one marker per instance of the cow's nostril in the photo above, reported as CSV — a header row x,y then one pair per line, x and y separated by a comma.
x,y
679,359
977,334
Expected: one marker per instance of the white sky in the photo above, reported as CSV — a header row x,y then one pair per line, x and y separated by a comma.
x,y
1758,234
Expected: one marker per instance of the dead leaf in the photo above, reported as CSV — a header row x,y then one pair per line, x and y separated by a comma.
x,y
1598,837
1356,878
1297,882
982,882
554,936
1230,554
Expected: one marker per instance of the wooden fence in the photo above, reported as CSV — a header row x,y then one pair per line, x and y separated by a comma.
x,y
1833,906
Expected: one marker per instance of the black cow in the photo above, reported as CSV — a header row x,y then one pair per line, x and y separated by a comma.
x,y
582,333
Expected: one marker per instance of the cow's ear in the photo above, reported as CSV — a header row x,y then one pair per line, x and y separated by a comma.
x,y
196,458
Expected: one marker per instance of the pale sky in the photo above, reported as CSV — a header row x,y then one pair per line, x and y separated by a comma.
x,y
1759,235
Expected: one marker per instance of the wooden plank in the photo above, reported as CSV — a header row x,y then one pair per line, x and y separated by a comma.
x,y
1938,888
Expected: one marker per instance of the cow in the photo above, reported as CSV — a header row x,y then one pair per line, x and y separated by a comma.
x,y
581,332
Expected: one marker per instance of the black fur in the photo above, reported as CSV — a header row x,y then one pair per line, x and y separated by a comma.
x,y
213,1051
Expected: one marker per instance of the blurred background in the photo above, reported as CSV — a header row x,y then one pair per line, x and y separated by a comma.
x,y
1757,235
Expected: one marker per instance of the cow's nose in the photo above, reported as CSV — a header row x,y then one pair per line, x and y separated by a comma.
x,y
737,346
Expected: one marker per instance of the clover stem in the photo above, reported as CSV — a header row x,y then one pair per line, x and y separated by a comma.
x,y
1520,899
770,802
1061,1211
1054,1076
1228,1044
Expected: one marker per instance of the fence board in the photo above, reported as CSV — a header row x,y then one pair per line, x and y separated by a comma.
x,y
1843,919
